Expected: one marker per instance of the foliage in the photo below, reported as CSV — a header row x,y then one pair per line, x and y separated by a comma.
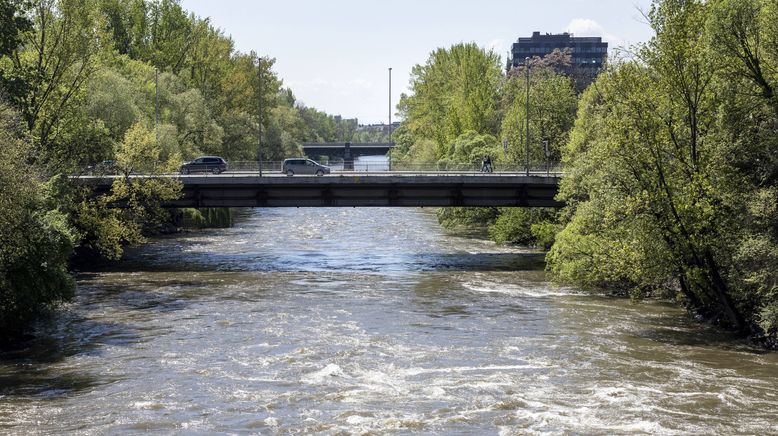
x,y
468,217
515,225
456,91
472,147
35,239
55,61
552,109
133,207
205,218
671,169
13,23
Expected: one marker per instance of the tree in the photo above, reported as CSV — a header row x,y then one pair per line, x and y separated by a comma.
x,y
36,240
133,208
13,24
670,170
552,104
454,92
56,60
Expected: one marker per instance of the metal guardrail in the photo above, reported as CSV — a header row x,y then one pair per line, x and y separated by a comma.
x,y
409,167
274,168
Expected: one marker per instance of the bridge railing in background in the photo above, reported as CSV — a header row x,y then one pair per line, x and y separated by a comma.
x,y
272,168
405,167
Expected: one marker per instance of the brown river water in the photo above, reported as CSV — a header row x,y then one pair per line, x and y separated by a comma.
x,y
353,321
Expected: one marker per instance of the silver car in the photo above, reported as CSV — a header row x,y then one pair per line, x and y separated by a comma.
x,y
304,166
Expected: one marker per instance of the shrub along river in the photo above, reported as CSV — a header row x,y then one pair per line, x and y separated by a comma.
x,y
369,320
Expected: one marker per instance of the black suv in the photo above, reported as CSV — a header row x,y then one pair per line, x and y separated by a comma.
x,y
205,164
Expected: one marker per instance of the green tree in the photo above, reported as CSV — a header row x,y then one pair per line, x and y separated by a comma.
x,y
456,91
670,170
13,24
526,226
55,61
552,109
133,208
36,240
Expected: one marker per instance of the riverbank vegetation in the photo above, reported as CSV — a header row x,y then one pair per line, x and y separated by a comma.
x,y
142,83
670,157
463,107
672,169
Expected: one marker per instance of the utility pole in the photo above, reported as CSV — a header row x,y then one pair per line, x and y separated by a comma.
x,y
259,74
390,104
390,116
156,102
526,147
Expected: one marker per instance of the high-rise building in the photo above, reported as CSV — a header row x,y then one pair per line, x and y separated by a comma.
x,y
587,55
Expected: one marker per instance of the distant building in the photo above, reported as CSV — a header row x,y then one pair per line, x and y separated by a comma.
x,y
587,55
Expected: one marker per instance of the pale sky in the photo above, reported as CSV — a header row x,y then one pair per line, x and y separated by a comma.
x,y
335,54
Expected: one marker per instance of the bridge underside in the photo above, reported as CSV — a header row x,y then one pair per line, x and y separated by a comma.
x,y
371,192
362,191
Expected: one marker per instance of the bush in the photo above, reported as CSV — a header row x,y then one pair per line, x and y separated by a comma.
x,y
35,240
527,226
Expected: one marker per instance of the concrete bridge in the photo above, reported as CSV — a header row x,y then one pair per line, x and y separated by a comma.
x,y
345,150
356,190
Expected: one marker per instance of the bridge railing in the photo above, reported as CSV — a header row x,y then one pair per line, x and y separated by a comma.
x,y
243,168
405,167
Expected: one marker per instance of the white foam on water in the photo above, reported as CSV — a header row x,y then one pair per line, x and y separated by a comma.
x,y
325,374
148,405
465,369
519,291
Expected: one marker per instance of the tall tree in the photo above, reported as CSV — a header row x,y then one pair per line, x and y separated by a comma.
x,y
36,240
453,93
552,108
671,171
56,60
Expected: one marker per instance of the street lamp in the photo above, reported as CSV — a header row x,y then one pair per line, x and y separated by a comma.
x,y
390,104
526,116
156,103
390,116
259,102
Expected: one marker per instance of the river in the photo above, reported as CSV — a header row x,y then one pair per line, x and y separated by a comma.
x,y
369,321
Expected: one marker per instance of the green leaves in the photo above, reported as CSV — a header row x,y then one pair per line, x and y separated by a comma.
x,y
456,91
668,163
36,239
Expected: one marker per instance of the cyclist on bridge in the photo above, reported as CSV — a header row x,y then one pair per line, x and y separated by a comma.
x,y
486,165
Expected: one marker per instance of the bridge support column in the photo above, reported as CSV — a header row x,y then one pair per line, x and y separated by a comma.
x,y
457,197
394,196
327,199
261,198
521,197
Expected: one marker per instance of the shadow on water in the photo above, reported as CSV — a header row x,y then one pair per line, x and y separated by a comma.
x,y
343,262
33,369
680,332
140,295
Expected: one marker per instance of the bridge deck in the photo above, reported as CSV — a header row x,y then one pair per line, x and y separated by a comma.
x,y
388,190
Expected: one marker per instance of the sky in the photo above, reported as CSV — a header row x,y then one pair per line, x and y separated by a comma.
x,y
335,55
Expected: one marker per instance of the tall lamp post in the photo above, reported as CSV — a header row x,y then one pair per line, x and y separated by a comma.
x,y
390,104
156,104
390,116
526,116
259,75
